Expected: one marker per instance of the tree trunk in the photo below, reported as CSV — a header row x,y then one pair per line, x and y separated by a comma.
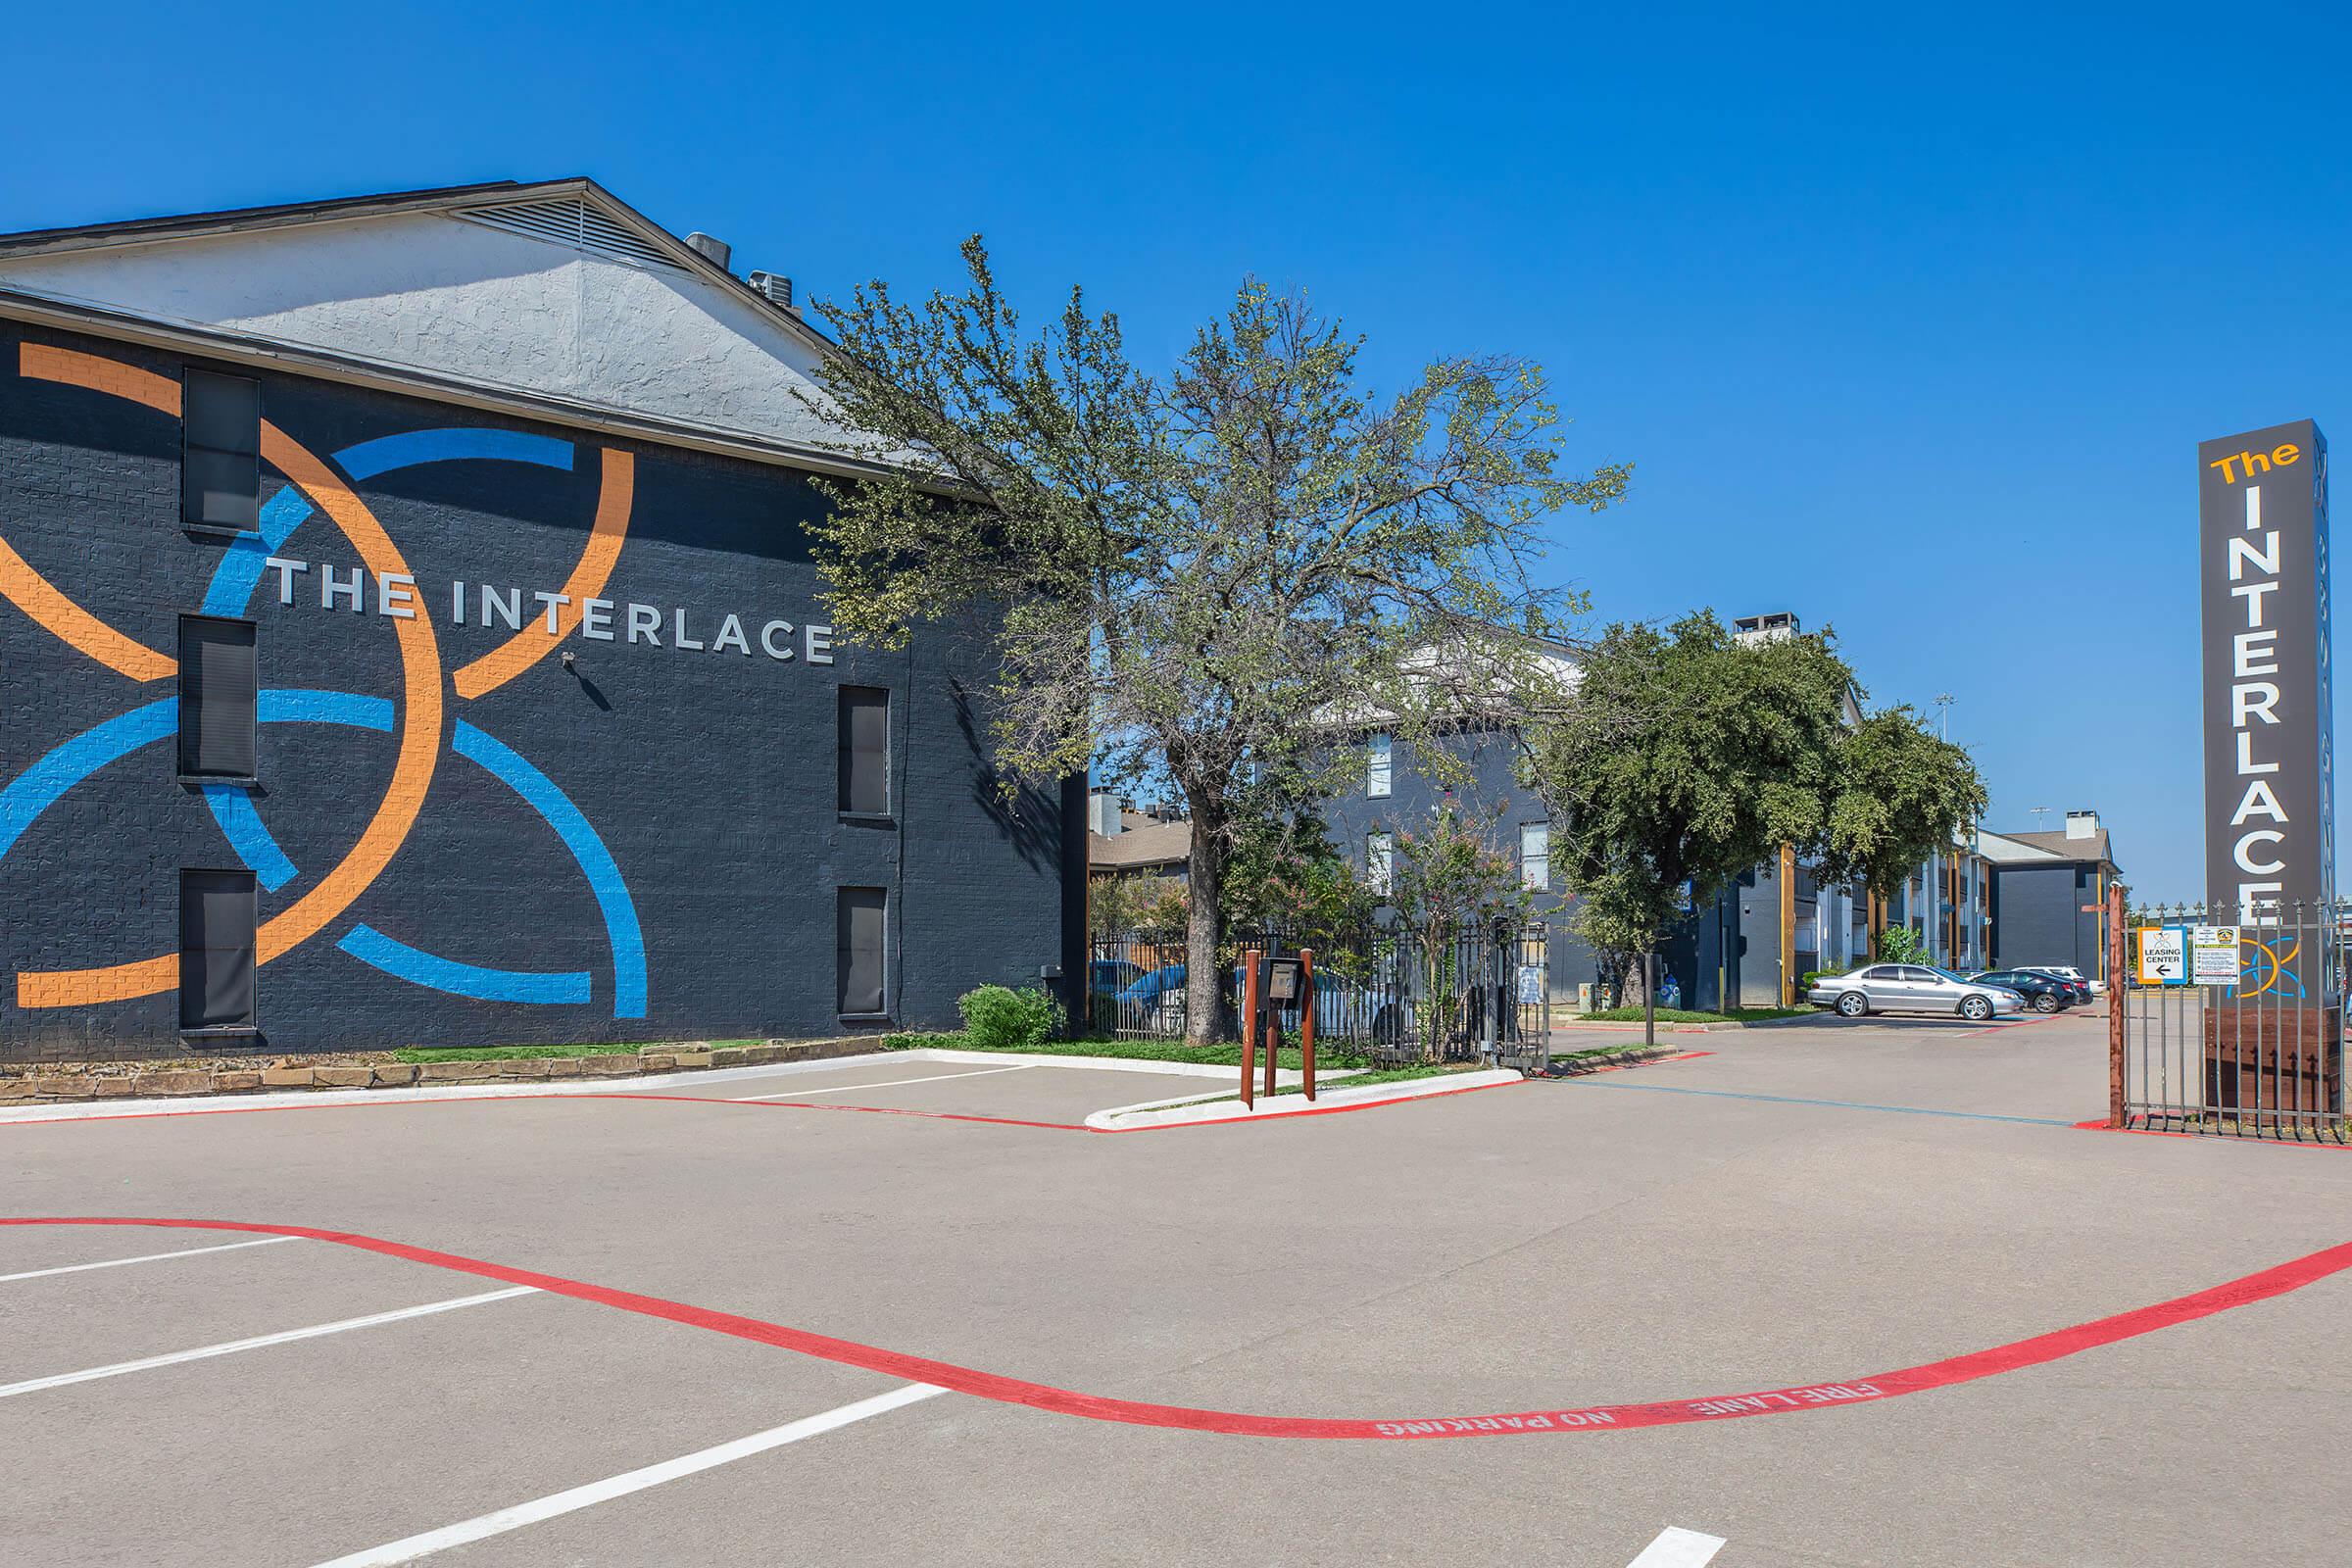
x,y
1204,925
1634,979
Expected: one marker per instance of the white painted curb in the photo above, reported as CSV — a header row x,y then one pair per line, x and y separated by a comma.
x,y
1159,1113
1046,1059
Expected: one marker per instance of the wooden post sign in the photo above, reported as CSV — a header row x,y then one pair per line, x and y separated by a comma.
x,y
1250,1030
1306,1020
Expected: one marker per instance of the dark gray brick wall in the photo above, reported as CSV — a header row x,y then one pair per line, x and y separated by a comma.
x,y
1491,798
709,776
1732,943
2037,917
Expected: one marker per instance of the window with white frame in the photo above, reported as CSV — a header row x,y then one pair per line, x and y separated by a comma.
x,y
1380,860
1375,767
1534,857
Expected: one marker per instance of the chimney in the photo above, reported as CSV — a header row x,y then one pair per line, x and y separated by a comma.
x,y
1103,817
2081,824
775,288
719,251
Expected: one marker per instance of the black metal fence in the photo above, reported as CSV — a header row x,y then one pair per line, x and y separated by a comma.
x,y
2230,1026
1390,993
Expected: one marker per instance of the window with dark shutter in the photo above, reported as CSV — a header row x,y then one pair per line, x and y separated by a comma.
x,y
858,951
216,920
865,740
221,452
220,685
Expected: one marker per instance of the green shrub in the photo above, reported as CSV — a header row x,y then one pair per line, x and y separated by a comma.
x,y
998,1018
1899,944
923,1040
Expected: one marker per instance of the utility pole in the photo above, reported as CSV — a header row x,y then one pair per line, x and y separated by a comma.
x,y
1944,713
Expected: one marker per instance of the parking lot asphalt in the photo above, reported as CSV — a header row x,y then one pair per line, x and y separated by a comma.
x,y
1800,1209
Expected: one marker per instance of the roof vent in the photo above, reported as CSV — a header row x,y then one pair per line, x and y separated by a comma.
x,y
1103,817
718,249
774,288
570,221
1764,628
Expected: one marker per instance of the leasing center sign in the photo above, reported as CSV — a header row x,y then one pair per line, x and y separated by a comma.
x,y
2269,711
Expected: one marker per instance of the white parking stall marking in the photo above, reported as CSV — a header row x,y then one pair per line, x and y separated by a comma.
x,y
148,1258
1676,1548
888,1083
653,1475
259,1341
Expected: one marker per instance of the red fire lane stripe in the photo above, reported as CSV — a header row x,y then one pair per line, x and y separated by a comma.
x,y
2045,1348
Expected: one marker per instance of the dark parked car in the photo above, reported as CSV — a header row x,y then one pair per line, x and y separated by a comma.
x,y
2045,993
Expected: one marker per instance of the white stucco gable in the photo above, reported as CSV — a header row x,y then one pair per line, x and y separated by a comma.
x,y
557,296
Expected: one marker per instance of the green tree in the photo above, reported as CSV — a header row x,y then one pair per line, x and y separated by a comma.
x,y
1117,905
1903,794
1901,945
1445,879
1686,756
1285,872
1196,574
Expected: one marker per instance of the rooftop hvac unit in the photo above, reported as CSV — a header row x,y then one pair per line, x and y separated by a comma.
x,y
775,287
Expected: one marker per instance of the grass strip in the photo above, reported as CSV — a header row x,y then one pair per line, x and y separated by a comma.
x,y
536,1053
1357,1080
1631,1048
1685,1015
1226,1054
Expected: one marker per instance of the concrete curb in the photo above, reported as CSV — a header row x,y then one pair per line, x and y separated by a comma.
x,y
692,1055
526,1077
1046,1059
703,1086
1132,1118
1615,1061
396,1080
1690,1028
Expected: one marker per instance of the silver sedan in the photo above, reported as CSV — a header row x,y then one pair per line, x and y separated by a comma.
x,y
1911,988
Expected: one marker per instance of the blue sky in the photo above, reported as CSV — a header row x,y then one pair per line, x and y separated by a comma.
x,y
1910,321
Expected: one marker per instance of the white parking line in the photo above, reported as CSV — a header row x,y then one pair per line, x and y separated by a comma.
x,y
1678,1548
620,1486
148,1258
232,1347
887,1083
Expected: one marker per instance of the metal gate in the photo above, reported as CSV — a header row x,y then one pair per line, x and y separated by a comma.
x,y
2224,1027
1522,956
1392,995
